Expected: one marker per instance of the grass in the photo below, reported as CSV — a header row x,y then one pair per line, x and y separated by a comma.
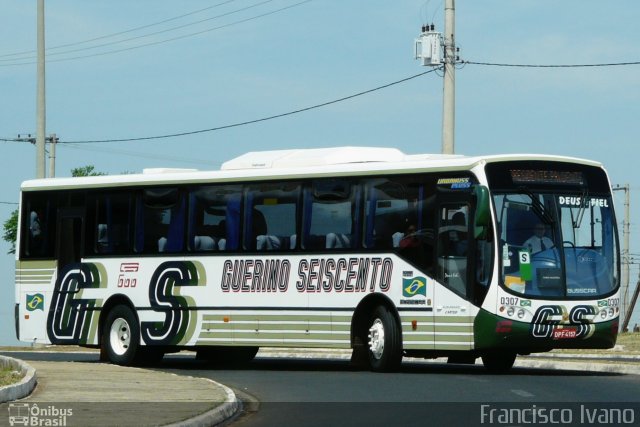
x,y
8,376
628,343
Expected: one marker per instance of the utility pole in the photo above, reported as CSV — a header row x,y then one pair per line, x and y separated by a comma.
x,y
53,141
428,49
41,105
625,258
634,300
449,96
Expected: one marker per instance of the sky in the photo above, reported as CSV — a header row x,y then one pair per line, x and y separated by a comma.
x,y
120,69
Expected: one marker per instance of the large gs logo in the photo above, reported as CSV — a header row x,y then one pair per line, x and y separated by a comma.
x,y
549,318
164,297
69,321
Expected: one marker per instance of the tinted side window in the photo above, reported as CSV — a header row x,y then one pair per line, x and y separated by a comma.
x,y
331,214
111,233
392,211
38,225
271,216
160,218
214,221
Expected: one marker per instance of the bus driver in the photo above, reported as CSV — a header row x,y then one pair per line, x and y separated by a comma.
x,y
538,242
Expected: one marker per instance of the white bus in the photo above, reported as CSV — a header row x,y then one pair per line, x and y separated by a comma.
x,y
369,249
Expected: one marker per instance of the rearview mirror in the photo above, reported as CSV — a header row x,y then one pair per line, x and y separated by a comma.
x,y
482,215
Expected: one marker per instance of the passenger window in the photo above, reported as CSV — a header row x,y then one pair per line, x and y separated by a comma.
x,y
39,225
160,221
111,234
214,223
391,212
330,215
271,217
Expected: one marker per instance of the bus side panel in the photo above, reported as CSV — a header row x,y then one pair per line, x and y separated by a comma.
x,y
34,290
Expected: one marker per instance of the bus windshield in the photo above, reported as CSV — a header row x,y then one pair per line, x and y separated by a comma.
x,y
557,245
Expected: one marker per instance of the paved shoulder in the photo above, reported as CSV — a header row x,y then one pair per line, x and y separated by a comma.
x,y
99,394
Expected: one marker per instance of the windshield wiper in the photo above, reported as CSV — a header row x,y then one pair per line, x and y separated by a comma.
x,y
537,206
583,207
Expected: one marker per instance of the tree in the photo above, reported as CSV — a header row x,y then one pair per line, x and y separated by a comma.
x,y
11,225
11,231
88,170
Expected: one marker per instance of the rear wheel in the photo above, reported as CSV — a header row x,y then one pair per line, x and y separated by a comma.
x,y
498,362
121,336
384,341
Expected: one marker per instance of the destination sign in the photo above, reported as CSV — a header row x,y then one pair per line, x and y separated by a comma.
x,y
530,176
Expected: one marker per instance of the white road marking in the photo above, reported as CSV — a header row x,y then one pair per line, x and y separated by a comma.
x,y
522,393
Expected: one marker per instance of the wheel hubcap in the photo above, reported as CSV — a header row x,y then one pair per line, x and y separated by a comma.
x,y
376,338
120,336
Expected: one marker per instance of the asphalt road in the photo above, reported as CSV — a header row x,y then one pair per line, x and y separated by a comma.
x,y
327,392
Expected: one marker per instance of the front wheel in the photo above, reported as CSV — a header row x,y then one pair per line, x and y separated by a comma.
x,y
384,341
121,336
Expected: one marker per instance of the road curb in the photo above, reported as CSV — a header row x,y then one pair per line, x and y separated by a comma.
x,y
24,387
216,416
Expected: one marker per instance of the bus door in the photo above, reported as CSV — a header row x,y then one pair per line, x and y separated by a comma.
x,y
69,236
453,308
452,245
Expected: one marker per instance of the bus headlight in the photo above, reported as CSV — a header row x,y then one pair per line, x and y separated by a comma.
x,y
603,314
510,311
520,314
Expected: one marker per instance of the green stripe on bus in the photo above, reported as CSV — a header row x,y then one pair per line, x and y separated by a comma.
x,y
276,336
407,327
259,343
280,317
301,325
454,328
461,346
453,319
418,337
423,328
419,319
35,274
454,338
52,264
413,346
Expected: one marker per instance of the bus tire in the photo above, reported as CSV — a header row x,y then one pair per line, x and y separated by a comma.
x,y
498,362
384,341
121,336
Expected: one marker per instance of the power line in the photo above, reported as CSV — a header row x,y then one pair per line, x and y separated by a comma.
x,y
498,64
138,154
249,122
206,30
119,33
155,33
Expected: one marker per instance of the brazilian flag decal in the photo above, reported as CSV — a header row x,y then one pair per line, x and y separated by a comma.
x,y
414,286
35,302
